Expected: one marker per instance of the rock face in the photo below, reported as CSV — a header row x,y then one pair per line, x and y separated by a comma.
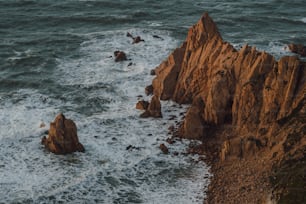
x,y
298,49
62,137
240,99
245,88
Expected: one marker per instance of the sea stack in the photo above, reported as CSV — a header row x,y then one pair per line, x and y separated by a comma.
x,y
248,109
62,137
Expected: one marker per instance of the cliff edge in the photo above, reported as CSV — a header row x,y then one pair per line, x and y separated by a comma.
x,y
248,109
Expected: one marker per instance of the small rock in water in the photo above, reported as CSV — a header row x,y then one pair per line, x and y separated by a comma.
x,y
175,153
129,147
135,39
158,37
152,72
142,105
164,148
153,109
62,137
120,56
170,140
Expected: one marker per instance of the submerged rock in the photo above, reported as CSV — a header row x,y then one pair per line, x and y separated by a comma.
x,y
62,137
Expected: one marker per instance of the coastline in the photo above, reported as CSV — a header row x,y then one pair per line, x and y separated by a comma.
x,y
247,108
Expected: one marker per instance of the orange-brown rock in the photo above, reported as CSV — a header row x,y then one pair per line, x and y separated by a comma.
x,y
240,100
142,105
120,56
164,148
154,109
62,137
245,88
298,49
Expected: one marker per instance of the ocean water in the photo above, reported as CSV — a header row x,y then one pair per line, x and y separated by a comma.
x,y
55,57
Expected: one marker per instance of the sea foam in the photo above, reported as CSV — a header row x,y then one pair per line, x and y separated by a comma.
x,y
100,96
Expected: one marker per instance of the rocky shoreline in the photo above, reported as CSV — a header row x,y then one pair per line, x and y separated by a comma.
x,y
247,108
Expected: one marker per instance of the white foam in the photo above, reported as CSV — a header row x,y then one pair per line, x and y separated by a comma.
x,y
107,172
303,20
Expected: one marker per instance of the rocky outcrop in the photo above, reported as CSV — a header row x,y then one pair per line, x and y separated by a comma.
x,y
153,110
245,88
298,49
62,137
239,98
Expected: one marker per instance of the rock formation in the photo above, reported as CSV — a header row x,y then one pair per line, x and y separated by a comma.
x,y
62,137
164,148
142,105
135,39
240,99
153,109
298,49
120,56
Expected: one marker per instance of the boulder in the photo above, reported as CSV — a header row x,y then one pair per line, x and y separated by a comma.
x,y
62,137
135,39
120,56
154,109
164,148
142,105
149,90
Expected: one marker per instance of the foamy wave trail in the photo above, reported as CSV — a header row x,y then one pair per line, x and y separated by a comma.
x,y
100,96
303,20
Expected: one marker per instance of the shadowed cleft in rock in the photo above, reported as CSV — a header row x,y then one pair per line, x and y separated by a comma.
x,y
62,137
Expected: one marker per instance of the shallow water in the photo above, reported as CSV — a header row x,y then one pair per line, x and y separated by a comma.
x,y
55,57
